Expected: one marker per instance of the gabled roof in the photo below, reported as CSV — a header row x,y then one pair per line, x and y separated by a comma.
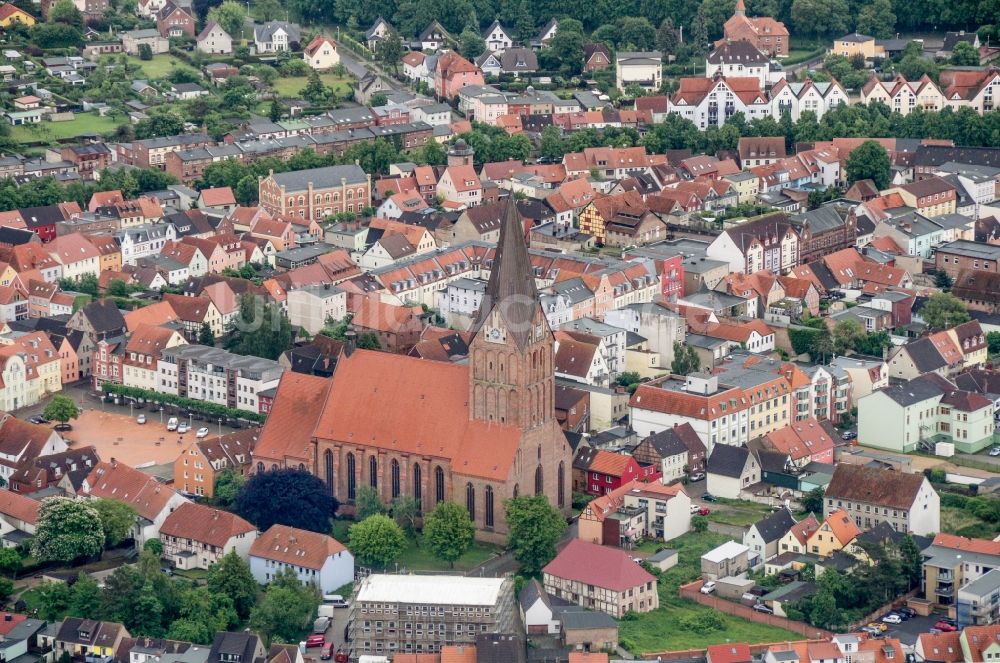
x,y
728,460
775,526
204,524
601,566
887,488
122,483
296,547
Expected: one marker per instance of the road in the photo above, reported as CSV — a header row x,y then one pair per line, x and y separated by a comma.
x,y
359,68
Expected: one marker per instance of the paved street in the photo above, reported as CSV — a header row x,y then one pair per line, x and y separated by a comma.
x,y
910,630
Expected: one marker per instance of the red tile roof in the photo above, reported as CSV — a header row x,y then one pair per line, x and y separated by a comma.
x,y
601,566
297,547
204,524
732,653
18,506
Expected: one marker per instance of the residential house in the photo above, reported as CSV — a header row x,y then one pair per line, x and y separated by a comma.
x,y
642,68
873,495
678,452
202,461
214,40
763,536
174,21
765,33
730,559
321,53
195,536
599,472
600,578
276,37
732,470
151,500
836,532
79,638
316,559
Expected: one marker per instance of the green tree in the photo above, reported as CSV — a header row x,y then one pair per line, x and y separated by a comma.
x,y
870,161
230,15
200,614
145,52
822,345
148,613
261,330
376,541
117,520
390,51
275,111
550,144
965,55
315,91
820,17
699,523
228,485
287,496
942,280
118,288
61,408
993,342
67,530
846,335
448,532
85,598
877,19
943,310
205,335
404,512
812,502
231,577
911,561
666,37
155,546
54,599
286,610
685,361
56,35
471,43
65,12
367,503
824,612
534,526
566,49
10,561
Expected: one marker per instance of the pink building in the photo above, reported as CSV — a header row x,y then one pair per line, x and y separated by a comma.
x,y
453,72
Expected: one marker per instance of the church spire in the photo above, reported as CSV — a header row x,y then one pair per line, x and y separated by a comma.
x,y
741,9
511,289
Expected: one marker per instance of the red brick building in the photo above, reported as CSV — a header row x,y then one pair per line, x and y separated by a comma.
x,y
174,21
598,472
316,193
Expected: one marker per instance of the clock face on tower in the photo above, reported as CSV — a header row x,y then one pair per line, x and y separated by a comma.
x,y
494,334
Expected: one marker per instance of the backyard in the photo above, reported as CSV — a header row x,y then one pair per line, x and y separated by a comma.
x,y
83,123
291,86
675,624
740,513
160,66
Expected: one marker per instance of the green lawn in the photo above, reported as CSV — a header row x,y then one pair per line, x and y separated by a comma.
x,y
955,520
83,123
32,598
417,558
197,575
659,631
160,66
737,512
291,86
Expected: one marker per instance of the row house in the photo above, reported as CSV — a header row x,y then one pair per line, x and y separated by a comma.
x,y
216,376
902,96
611,162
766,243
977,89
152,152
142,352
31,369
143,241
152,500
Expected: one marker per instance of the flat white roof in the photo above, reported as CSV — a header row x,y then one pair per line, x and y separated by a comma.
x,y
727,550
430,590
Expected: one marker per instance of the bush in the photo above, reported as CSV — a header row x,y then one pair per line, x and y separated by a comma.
x,y
186,403
581,500
703,622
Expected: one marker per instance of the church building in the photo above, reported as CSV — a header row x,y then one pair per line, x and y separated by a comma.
x,y
476,433
766,34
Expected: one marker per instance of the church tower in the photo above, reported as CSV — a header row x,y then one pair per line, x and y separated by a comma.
x,y
511,376
741,9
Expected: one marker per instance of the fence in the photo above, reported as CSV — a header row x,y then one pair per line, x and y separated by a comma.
x,y
691,591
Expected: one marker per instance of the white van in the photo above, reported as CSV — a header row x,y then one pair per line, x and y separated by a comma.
x,y
336,600
172,423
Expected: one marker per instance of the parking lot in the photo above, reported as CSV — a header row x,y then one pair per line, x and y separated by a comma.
x,y
910,630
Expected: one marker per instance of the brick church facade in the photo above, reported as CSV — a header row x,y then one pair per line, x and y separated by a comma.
x,y
476,434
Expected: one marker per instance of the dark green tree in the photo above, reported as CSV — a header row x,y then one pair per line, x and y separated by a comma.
x,y
85,598
261,330
286,610
367,503
812,502
943,310
870,161
877,19
205,335
289,497
472,45
61,408
117,519
685,361
534,527
965,55
228,485
231,577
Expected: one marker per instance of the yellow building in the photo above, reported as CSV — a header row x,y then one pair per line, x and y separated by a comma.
x,y
796,539
746,185
9,15
854,43
836,532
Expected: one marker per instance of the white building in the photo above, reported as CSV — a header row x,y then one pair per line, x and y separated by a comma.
x,y
460,300
311,307
145,240
795,98
317,559
216,376
195,536
642,68
741,59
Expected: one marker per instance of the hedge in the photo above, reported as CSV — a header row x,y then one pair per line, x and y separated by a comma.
x,y
802,338
186,403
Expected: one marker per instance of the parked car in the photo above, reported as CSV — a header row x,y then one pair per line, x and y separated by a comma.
x,y
878,626
202,432
709,497
695,509
336,600
38,419
945,626
762,607
892,618
172,424
697,476
183,427
704,511
708,587
316,640
327,653
995,451
321,624
141,419
907,612
340,657
849,435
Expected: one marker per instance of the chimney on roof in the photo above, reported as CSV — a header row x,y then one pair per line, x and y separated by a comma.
x,y
350,340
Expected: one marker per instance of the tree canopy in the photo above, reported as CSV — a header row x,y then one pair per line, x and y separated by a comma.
x,y
942,310
67,530
289,497
870,161
534,527
448,532
377,541
61,408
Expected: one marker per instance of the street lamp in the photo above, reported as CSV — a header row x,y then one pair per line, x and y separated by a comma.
x,y
190,415
220,426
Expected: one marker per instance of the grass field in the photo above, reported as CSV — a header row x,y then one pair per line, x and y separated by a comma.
x,y
416,558
959,521
83,123
292,86
737,512
160,66
658,630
